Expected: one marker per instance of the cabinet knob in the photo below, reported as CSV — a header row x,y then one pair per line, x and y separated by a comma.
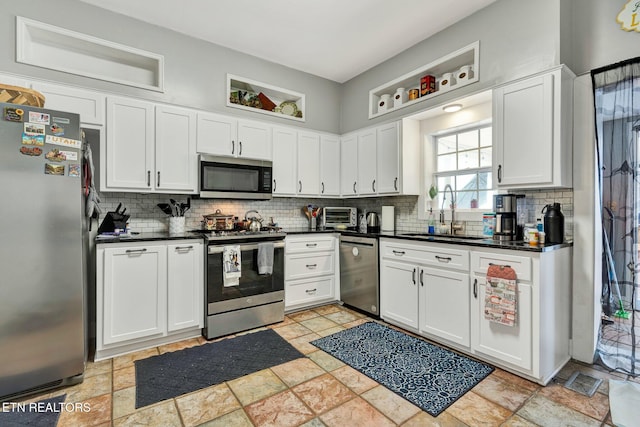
x,y
233,147
475,288
373,185
421,274
413,276
158,184
299,186
240,150
499,173
148,178
322,188
354,187
274,185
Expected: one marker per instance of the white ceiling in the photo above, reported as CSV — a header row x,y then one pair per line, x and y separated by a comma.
x,y
334,39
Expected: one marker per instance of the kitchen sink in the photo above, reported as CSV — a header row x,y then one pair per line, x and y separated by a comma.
x,y
443,236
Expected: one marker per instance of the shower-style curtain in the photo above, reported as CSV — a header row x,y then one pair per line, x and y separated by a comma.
x,y
617,117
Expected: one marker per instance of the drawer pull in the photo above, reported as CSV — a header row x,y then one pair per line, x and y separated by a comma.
x,y
475,288
136,251
398,253
310,266
443,258
183,248
312,245
413,276
311,291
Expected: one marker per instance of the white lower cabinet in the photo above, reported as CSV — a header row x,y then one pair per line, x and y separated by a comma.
x,y
438,291
147,293
399,292
311,271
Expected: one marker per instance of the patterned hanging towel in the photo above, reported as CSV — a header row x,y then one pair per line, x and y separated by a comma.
x,y
500,304
232,265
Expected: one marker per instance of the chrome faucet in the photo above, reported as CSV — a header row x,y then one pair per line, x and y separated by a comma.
x,y
454,227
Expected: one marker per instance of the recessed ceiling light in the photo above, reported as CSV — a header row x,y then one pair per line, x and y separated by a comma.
x,y
452,108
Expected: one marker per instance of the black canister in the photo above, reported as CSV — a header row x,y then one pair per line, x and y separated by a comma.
x,y
553,223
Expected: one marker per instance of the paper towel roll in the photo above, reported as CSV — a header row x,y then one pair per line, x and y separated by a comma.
x,y
388,218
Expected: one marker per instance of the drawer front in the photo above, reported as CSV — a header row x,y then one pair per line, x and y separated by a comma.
x,y
300,266
310,245
427,255
522,265
308,290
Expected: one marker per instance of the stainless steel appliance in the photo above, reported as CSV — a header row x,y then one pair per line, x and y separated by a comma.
x,y
258,299
359,286
235,178
333,217
507,227
42,295
373,222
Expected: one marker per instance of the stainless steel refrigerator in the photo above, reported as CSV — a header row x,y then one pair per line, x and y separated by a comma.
x,y
42,292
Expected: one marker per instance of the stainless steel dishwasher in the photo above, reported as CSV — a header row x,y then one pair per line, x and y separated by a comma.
x,y
359,273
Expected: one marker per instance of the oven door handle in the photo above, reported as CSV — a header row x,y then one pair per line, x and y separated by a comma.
x,y
218,249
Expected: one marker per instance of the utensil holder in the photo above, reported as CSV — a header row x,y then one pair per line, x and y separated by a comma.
x,y
176,224
312,223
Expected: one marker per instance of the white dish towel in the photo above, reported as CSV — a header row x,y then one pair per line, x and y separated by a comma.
x,y
232,265
265,258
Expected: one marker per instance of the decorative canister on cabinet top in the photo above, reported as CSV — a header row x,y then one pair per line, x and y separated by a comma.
x,y
446,82
400,97
414,93
385,103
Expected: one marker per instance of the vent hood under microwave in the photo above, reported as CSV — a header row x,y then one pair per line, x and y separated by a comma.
x,y
235,178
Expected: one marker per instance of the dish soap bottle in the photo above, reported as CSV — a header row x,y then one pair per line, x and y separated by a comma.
x,y
431,223
363,222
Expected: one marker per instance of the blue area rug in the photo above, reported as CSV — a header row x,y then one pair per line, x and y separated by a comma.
x,y
43,413
173,374
429,376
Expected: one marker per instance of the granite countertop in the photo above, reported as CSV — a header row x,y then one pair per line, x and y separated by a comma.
x,y
148,237
486,243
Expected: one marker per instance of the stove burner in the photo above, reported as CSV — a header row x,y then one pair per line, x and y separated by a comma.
x,y
241,234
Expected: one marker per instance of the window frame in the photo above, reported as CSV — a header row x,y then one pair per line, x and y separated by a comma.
x,y
458,172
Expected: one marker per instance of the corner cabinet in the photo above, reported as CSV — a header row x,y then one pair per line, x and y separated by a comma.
x,y
532,130
149,148
437,290
382,160
311,270
147,294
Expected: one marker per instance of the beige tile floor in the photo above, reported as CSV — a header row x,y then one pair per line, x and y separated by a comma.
x,y
322,391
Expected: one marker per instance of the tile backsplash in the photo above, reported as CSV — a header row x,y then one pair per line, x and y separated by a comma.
x,y
287,211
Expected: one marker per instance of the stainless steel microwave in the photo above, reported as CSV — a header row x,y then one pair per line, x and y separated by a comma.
x,y
235,178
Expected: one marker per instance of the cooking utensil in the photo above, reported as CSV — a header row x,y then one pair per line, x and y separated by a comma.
x,y
166,208
118,208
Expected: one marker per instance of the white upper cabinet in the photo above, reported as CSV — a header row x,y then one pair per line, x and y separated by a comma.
x,y
226,136
349,165
388,158
285,171
129,146
367,158
217,134
308,163
329,165
254,140
90,105
176,161
149,148
532,130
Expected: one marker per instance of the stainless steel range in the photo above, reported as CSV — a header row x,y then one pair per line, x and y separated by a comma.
x,y
257,299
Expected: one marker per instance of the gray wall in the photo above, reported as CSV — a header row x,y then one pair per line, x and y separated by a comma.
x,y
195,71
517,38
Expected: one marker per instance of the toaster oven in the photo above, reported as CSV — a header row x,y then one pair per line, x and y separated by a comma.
x,y
339,217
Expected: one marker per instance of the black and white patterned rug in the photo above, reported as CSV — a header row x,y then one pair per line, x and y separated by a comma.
x,y
429,376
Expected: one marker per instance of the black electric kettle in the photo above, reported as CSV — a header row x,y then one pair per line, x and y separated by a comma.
x,y
553,223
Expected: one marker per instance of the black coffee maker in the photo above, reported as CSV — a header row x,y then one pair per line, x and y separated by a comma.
x,y
506,208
